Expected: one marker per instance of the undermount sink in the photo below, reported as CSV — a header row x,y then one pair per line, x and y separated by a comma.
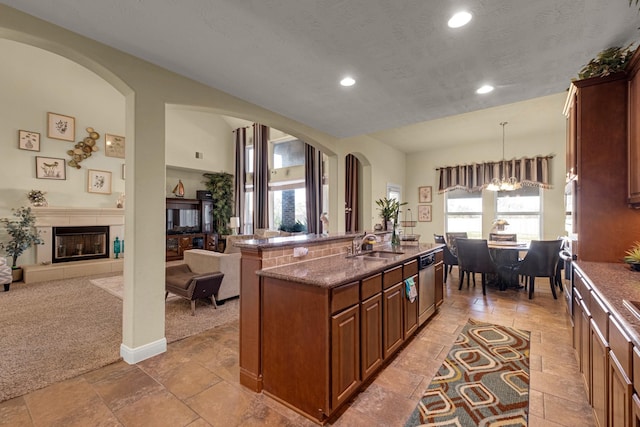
x,y
379,254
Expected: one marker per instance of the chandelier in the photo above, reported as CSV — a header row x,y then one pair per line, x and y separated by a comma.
x,y
505,183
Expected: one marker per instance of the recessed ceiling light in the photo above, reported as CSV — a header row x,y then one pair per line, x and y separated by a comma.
x,y
347,81
484,89
459,19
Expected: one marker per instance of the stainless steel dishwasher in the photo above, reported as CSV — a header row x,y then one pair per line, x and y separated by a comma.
x,y
426,287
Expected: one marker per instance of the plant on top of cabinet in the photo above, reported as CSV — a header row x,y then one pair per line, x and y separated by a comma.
x,y
609,61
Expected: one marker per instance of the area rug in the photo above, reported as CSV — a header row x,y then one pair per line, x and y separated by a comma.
x,y
484,381
52,331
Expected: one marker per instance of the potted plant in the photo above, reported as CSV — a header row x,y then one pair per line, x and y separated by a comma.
x,y
633,257
220,184
22,234
389,209
499,224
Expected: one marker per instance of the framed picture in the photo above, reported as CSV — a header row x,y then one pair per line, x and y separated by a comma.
x,y
114,145
98,181
61,127
424,213
28,140
50,168
424,194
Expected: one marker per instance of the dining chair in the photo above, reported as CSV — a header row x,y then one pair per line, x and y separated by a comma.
x,y
451,240
501,237
449,258
474,257
540,261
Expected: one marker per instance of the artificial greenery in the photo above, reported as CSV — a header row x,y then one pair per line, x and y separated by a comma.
x,y
389,208
633,254
22,233
220,184
609,61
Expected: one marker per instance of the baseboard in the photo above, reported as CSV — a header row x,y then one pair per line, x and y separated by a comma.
x,y
138,354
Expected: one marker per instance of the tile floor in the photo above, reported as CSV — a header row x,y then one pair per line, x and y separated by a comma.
x,y
195,383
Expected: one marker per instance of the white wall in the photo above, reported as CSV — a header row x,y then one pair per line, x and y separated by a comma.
x,y
422,167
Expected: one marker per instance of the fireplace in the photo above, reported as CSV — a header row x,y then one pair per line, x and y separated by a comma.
x,y
79,243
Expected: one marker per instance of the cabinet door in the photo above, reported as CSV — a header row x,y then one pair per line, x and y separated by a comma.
x,y
634,139
184,244
620,390
599,370
439,283
635,409
410,313
392,318
585,347
345,354
207,216
371,334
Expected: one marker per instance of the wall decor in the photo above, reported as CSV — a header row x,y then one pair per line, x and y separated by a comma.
x,y
424,213
114,145
83,149
60,126
50,168
99,181
424,194
28,140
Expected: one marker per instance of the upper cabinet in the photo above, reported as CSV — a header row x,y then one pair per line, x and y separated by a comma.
x,y
634,130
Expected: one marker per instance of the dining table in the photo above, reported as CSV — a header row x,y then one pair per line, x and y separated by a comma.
x,y
506,256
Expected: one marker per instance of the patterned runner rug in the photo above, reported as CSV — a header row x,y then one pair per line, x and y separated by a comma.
x,y
484,381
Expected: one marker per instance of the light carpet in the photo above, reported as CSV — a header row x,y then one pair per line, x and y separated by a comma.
x,y
56,330
484,380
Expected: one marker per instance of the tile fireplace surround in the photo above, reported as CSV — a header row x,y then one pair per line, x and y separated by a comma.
x,y
49,217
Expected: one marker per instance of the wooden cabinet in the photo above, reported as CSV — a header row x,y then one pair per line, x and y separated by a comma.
x,y
189,225
392,331
371,325
345,354
635,411
605,225
634,130
620,387
599,372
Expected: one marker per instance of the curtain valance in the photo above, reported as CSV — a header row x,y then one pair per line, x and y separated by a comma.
x,y
530,171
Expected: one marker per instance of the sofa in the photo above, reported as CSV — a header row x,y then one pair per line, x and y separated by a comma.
x,y
202,261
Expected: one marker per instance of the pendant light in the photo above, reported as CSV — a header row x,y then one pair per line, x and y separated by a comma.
x,y
505,183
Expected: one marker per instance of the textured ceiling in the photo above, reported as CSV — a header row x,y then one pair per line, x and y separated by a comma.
x,y
288,55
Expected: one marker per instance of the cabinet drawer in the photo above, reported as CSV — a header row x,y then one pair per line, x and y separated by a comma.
x,y
600,315
621,346
371,286
344,296
391,277
410,268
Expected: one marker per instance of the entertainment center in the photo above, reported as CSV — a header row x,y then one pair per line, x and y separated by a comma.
x,y
189,225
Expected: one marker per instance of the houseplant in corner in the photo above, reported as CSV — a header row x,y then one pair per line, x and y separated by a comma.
x,y
22,235
632,257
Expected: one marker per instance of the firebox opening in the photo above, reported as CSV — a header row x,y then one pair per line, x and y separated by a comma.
x,y
80,243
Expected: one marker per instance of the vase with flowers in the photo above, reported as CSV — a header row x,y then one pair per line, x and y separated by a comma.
x,y
499,224
36,197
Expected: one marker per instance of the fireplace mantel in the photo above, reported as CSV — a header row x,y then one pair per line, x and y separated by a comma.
x,y
61,216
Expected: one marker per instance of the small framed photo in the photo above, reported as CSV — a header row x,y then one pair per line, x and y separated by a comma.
x,y
424,213
28,140
424,194
98,181
114,146
61,127
50,168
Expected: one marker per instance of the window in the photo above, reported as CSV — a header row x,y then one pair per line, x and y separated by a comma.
x,y
463,212
521,208
287,194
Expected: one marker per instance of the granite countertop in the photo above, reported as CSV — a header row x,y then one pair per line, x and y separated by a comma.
x,y
298,239
335,270
615,282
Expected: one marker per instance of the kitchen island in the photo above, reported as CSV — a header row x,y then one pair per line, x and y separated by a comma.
x,y
327,324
